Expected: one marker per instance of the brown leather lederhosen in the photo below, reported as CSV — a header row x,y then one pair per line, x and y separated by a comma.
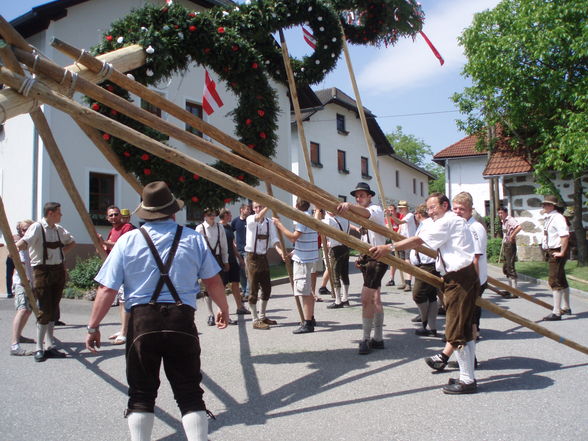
x,y
557,275
49,281
460,291
258,268
339,256
372,270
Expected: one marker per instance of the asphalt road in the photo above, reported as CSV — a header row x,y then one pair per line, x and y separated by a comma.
x,y
276,386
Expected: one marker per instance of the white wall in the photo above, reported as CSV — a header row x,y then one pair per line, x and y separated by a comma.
x,y
465,174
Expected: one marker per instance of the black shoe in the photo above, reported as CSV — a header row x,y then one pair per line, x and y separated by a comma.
x,y
59,323
437,362
364,347
313,322
25,340
416,319
346,303
423,332
460,388
375,344
52,352
9,296
40,356
211,321
335,306
390,283
324,290
552,317
306,328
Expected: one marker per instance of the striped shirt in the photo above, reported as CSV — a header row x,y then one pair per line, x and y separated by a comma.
x,y
306,246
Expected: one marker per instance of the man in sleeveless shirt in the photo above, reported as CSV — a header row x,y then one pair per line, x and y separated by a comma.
x,y
47,242
260,236
451,237
159,265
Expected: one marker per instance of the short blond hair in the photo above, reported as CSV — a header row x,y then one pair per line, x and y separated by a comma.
x,y
464,198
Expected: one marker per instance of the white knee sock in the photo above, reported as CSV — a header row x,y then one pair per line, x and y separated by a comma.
x,y
367,324
515,283
466,358
50,338
41,332
337,295
263,309
565,298
423,311
557,301
432,316
140,425
345,296
379,326
196,426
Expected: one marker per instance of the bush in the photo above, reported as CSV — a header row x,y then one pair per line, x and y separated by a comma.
x,y
82,275
493,249
73,293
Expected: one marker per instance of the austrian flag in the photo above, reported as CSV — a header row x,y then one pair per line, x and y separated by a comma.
x,y
309,38
211,100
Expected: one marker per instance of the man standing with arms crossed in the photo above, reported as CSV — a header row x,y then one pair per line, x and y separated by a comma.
x,y
451,237
159,265
47,242
372,270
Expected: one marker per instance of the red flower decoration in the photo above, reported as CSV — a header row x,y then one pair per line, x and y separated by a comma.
x,y
192,28
195,199
227,200
182,179
262,135
221,30
248,121
110,88
108,38
196,177
234,84
235,48
206,50
254,65
192,14
164,9
127,154
145,157
113,112
261,113
240,177
146,171
105,136
251,146
96,107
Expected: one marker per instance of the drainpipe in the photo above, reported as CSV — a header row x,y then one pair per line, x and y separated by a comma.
x,y
35,193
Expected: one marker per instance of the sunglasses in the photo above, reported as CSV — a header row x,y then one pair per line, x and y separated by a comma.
x,y
113,214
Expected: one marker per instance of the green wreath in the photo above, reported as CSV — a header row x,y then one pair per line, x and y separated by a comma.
x,y
238,45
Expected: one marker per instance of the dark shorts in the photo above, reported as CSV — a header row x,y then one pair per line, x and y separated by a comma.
x,y
510,256
460,291
48,283
233,274
402,254
557,275
163,332
259,277
339,256
373,271
423,292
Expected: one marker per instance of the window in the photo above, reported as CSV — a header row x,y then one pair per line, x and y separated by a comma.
x,y
414,185
194,109
101,196
341,124
422,189
315,154
342,162
150,108
193,213
365,168
342,198
397,178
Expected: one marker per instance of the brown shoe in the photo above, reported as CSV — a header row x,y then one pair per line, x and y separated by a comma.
x,y
260,324
269,321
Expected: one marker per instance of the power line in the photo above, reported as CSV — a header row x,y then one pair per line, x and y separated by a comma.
x,y
397,116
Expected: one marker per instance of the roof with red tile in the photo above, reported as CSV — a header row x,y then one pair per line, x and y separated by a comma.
x,y
462,148
507,163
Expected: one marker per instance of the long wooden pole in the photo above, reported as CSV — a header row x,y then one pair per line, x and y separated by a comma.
x,y
303,144
101,122
52,149
15,256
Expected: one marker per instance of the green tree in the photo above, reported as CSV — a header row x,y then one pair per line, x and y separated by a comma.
x,y
419,153
528,60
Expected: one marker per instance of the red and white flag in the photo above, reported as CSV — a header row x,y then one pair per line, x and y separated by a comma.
x,y
433,48
308,37
211,100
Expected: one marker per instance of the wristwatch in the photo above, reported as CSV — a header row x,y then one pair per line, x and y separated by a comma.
x,y
93,330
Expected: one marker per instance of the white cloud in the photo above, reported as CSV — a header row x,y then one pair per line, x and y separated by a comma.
x,y
411,63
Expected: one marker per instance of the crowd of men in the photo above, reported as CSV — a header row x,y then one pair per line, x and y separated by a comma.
x,y
152,271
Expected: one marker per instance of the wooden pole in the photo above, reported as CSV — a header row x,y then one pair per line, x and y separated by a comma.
x,y
15,256
304,144
161,150
52,149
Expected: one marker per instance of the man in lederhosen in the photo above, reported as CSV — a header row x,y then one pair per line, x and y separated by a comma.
x,y
216,240
372,270
47,242
451,237
159,265
510,229
339,255
260,236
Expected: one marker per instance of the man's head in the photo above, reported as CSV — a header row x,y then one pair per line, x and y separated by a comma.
x,y
437,205
502,213
244,211
420,213
158,202
463,205
550,203
302,205
23,226
403,207
210,214
125,215
257,207
363,194
225,215
113,215
52,212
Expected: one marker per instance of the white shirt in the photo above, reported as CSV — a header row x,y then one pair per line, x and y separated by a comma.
x,y
210,233
426,223
480,244
262,244
338,222
451,236
26,262
408,228
34,240
554,228
376,215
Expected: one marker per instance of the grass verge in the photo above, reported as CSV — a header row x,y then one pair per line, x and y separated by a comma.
x,y
539,270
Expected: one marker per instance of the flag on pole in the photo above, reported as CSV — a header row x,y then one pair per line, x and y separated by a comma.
x,y
308,37
433,48
211,100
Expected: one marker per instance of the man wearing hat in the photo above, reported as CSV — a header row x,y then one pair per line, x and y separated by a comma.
x,y
372,270
556,235
407,228
159,265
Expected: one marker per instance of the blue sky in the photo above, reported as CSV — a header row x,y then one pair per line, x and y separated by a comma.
x,y
402,84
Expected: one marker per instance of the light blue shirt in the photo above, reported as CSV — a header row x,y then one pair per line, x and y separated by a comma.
x,y
131,263
306,247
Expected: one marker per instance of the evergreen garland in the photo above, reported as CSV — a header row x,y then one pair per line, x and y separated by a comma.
x,y
238,45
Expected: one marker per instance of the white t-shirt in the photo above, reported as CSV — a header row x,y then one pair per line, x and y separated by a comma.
x,y
266,226
376,215
554,228
408,229
217,243
339,223
306,246
480,244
